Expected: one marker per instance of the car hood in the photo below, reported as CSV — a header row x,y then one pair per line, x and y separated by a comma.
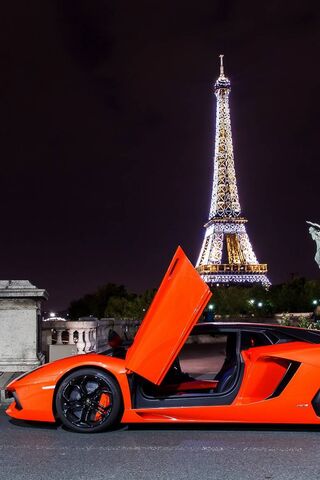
x,y
175,309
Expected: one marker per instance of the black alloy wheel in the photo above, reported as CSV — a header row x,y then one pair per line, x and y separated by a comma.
x,y
89,400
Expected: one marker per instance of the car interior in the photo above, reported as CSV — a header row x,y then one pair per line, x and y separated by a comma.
x,y
207,364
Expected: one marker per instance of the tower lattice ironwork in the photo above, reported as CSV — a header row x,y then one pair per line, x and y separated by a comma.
x,y
226,255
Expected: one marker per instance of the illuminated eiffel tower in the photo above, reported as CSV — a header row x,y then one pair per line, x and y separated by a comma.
x,y
226,256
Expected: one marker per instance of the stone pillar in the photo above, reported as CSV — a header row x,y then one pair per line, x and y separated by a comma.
x,y
20,303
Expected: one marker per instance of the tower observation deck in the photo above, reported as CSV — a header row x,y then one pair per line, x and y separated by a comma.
x,y
227,256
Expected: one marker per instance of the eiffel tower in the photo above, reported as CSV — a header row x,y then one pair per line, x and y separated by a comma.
x,y
226,256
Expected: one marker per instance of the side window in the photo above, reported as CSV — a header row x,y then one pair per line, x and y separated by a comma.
x,y
203,356
253,339
280,337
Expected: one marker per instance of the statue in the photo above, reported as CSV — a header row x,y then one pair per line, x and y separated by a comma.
x,y
314,231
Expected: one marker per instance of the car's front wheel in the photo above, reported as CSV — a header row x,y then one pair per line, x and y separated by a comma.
x,y
88,400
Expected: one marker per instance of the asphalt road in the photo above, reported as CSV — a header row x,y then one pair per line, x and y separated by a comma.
x,y
42,451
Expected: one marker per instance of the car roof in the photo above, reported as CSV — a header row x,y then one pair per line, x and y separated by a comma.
x,y
301,334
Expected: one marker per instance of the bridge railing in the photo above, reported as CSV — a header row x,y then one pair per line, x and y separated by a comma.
x,y
86,334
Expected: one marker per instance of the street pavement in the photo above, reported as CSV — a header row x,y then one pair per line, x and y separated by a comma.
x,y
42,451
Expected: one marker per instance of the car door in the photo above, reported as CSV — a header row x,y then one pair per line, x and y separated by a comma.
x,y
175,309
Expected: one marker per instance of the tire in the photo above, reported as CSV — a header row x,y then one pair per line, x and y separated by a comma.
x,y
89,400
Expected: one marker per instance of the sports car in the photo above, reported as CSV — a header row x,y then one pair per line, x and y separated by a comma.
x,y
180,370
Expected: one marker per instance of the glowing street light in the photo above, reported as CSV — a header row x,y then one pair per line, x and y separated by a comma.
x,y
251,301
260,304
314,302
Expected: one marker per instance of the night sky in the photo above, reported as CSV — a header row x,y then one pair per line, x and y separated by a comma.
x,y
107,127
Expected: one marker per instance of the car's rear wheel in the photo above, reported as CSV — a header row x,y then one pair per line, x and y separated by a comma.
x,y
89,400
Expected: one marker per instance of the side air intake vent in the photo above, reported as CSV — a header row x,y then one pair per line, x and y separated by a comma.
x,y
316,403
291,370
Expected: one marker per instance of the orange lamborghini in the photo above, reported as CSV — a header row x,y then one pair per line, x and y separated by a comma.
x,y
178,370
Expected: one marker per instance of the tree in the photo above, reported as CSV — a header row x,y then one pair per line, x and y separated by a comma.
x,y
297,295
95,303
133,307
112,301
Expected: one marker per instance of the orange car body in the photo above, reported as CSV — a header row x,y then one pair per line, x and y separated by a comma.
x,y
176,308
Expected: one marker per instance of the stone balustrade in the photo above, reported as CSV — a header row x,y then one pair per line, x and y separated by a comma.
x,y
87,334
